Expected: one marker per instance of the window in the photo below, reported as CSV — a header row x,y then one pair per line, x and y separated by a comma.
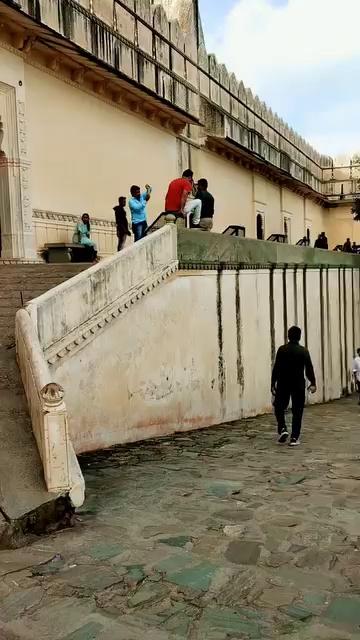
x,y
260,227
287,229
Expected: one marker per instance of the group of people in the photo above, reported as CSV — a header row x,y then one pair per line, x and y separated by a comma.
x,y
349,247
184,198
323,243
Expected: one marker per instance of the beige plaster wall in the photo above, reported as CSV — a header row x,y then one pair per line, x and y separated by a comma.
x,y
240,194
231,187
341,225
86,153
267,201
315,219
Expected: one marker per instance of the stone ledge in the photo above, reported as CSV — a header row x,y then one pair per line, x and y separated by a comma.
x,y
211,250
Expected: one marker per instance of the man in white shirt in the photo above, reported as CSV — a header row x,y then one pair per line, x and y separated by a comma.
x,y
356,371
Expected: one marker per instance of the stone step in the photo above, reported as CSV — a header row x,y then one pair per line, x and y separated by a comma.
x,y
32,277
30,285
8,311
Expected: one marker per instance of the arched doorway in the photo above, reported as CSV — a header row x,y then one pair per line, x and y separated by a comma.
x,y
260,226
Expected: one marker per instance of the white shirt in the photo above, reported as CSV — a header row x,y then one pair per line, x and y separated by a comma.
x,y
356,368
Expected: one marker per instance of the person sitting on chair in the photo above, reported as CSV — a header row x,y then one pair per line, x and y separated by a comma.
x,y
83,233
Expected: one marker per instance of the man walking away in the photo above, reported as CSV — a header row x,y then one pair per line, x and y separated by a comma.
x,y
179,198
347,248
208,205
122,224
288,382
137,204
356,371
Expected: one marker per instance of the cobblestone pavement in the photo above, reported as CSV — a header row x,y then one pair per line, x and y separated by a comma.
x,y
214,535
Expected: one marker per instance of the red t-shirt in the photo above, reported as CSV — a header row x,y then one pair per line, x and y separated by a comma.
x,y
174,194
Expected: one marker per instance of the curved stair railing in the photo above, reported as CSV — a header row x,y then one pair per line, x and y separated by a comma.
x,y
161,221
235,230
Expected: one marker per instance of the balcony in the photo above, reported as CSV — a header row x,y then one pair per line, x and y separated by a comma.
x,y
342,184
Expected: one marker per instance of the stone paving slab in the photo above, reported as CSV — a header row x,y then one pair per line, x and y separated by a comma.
x,y
216,535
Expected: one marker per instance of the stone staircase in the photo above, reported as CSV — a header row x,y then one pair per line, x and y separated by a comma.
x,y
22,488
20,283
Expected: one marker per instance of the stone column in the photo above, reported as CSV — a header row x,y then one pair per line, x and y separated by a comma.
x,y
17,233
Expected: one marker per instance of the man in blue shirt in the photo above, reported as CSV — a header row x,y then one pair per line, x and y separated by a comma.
x,y
137,205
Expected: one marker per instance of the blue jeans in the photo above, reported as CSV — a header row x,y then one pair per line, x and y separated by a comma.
x,y
139,230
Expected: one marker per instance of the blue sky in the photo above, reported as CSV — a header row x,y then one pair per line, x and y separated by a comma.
x,y
302,57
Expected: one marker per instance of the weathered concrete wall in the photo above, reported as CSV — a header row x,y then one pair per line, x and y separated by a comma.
x,y
197,350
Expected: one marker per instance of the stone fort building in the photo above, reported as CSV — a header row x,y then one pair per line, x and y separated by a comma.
x,y
97,95
164,336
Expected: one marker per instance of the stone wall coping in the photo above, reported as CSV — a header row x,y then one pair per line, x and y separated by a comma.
x,y
198,250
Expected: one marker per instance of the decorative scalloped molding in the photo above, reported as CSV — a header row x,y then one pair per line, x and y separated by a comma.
x,y
77,339
39,214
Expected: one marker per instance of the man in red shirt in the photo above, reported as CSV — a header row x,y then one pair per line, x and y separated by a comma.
x,y
178,198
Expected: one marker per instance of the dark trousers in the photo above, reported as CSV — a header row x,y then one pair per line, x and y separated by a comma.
x,y
139,230
121,241
282,401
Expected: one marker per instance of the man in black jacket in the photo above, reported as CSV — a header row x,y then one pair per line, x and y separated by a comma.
x,y
292,363
122,224
208,205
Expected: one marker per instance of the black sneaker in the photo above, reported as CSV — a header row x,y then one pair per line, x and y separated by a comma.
x,y
294,442
283,436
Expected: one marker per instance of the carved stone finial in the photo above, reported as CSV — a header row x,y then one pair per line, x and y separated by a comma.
x,y
52,394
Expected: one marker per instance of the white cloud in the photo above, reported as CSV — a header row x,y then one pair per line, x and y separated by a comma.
x,y
298,57
259,36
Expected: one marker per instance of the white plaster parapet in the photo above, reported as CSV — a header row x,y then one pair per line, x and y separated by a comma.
x,y
63,320
48,414
75,340
79,307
